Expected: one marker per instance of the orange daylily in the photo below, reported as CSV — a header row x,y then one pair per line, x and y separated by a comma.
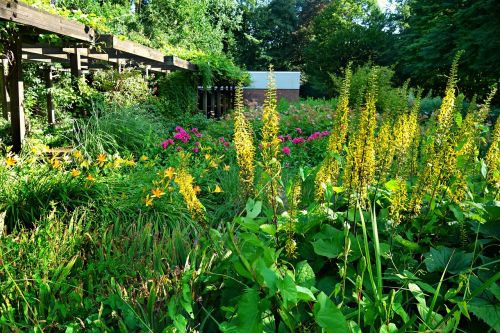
x,y
148,201
75,172
157,193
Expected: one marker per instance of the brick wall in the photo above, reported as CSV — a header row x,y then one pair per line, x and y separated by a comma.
x,y
256,97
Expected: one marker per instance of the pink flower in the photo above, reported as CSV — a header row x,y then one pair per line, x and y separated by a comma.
x,y
179,148
226,144
167,143
221,139
298,140
286,150
199,135
196,149
282,139
197,143
325,133
194,130
299,130
181,134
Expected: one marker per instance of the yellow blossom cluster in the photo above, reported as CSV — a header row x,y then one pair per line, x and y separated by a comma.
x,y
493,157
330,168
186,187
360,161
243,142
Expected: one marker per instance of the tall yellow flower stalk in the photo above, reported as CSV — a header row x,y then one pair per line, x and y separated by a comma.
x,y
493,157
406,139
271,143
329,169
243,140
185,181
360,162
384,149
441,159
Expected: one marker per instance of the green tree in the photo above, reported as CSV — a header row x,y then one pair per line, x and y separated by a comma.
x,y
345,31
436,30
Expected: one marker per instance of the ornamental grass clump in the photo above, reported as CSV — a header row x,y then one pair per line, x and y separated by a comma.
x,y
360,161
243,142
271,144
330,168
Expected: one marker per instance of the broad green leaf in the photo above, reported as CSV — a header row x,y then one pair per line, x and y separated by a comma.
x,y
249,316
269,229
253,208
391,328
304,274
437,259
305,294
328,316
417,292
329,243
288,291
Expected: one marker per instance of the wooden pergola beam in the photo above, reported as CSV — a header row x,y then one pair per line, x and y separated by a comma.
x,y
15,11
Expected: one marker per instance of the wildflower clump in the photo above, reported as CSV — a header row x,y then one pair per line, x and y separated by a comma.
x,y
329,168
360,161
271,144
243,141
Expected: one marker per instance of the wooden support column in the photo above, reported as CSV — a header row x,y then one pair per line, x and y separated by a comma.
x,y
51,115
16,88
205,102
76,63
4,92
218,112
212,102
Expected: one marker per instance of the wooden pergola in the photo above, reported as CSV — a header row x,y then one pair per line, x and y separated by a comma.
x,y
82,51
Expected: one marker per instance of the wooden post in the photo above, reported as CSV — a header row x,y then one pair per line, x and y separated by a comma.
x,y
16,88
205,102
51,115
212,102
219,104
4,93
76,63
147,71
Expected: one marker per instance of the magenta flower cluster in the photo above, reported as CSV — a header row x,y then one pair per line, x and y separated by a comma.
x,y
183,136
298,140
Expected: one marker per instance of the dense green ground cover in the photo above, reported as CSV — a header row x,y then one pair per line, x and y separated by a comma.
x,y
147,225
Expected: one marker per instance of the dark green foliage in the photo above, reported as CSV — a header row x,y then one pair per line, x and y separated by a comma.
x,y
178,93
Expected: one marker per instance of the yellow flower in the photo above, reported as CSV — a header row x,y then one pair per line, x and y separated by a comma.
x,y
169,173
217,189
101,158
148,201
77,154
214,164
75,172
90,178
56,164
11,161
227,167
144,158
186,188
207,156
157,193
197,189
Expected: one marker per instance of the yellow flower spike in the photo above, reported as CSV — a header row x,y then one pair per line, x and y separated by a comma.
x,y
217,189
157,193
75,172
144,158
148,201
11,161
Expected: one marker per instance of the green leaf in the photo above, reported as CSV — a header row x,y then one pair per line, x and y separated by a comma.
x,y
330,243
305,294
304,274
253,208
437,259
288,291
417,292
249,316
269,229
328,316
391,328
392,185
484,169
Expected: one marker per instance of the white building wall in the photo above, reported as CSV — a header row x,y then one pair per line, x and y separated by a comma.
x,y
284,80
